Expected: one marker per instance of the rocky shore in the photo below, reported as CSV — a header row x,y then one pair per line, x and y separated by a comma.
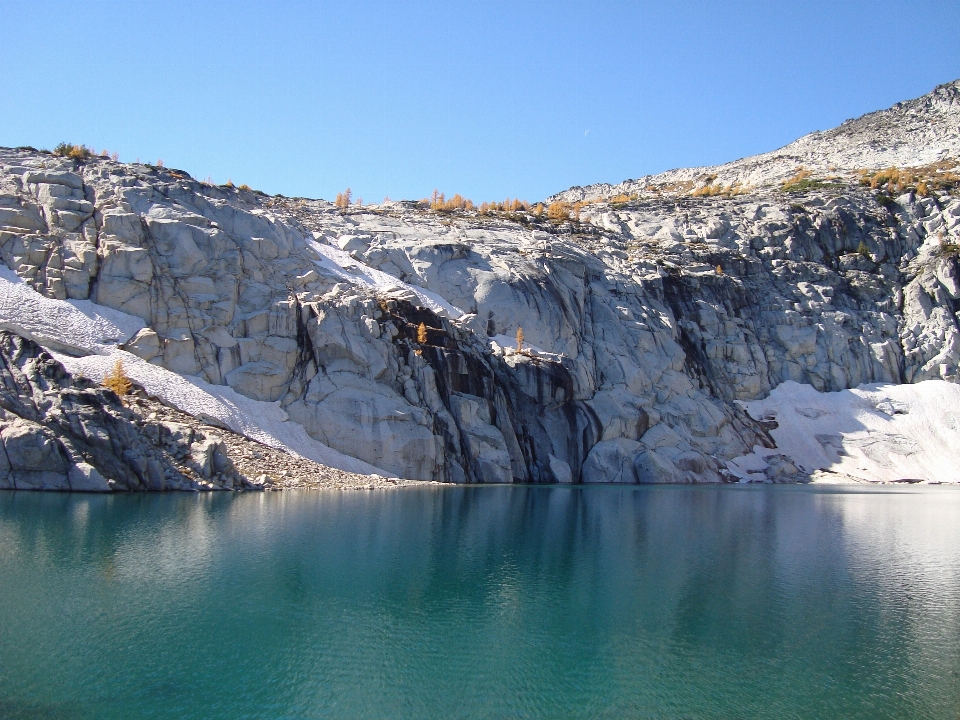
x,y
258,466
59,432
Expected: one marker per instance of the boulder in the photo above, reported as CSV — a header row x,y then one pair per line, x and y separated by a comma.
x,y
31,448
652,466
145,344
259,380
83,477
611,461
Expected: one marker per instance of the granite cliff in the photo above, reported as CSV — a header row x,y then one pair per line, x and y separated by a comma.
x,y
655,316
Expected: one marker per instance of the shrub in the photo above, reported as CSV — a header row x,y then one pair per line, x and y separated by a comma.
x,y
863,250
117,379
245,187
708,190
947,247
923,179
801,182
75,152
801,175
711,190
622,199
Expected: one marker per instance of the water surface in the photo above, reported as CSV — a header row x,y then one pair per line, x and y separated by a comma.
x,y
487,602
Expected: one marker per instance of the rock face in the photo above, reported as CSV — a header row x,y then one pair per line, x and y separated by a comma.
x,y
645,320
63,433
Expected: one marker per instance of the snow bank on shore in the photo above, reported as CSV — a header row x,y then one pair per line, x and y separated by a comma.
x,y
873,433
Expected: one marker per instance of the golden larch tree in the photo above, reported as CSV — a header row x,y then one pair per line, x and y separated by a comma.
x,y
558,210
519,339
422,334
117,379
343,199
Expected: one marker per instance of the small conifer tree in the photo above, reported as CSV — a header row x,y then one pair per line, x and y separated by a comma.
x,y
558,210
719,270
117,379
519,339
422,334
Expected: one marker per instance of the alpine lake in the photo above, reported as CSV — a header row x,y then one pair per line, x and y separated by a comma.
x,y
483,602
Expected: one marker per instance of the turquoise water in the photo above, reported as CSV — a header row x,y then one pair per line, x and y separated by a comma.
x,y
509,602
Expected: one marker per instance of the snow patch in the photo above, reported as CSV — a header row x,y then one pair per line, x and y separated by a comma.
x,y
72,326
341,264
874,433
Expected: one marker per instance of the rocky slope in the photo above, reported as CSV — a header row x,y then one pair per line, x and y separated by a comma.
x,y
59,432
647,322
920,132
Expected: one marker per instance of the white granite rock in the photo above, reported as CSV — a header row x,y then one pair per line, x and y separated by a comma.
x,y
636,346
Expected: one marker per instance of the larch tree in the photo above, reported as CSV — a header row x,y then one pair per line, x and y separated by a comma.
x,y
117,379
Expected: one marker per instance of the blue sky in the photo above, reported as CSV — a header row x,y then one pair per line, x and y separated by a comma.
x,y
487,99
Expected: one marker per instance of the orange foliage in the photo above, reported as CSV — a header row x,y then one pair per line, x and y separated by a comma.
x,y
343,199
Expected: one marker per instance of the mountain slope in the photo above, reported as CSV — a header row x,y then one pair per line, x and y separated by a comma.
x,y
656,328
917,132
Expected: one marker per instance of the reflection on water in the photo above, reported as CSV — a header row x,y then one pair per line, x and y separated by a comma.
x,y
707,602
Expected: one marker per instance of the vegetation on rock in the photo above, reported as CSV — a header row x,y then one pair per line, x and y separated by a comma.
x,y
118,380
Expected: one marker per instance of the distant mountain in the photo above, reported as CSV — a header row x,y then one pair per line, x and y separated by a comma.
x,y
912,133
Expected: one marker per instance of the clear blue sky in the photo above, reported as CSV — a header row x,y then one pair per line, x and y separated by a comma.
x,y
483,98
